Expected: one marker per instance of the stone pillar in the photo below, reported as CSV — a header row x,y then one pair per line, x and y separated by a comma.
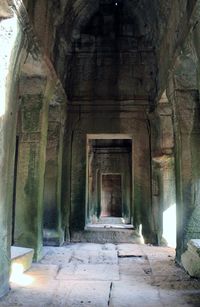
x,y
162,149
165,208
53,233
187,160
11,39
31,164
196,42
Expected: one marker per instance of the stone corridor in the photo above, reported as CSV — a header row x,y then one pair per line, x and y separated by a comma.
x,y
99,275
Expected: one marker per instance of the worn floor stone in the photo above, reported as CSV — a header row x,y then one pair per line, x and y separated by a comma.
x,y
99,275
126,250
82,293
90,272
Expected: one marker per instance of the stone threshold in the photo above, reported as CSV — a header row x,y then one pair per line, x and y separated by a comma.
x,y
109,226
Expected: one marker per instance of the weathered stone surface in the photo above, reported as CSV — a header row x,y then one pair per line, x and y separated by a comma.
x,y
89,272
53,234
81,254
107,235
129,250
79,185
44,271
190,259
186,128
129,296
114,59
31,168
11,41
5,10
138,284
21,256
82,293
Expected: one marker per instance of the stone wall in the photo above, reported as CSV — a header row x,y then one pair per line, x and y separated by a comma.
x,y
114,62
163,174
74,183
11,41
31,164
53,233
183,92
38,83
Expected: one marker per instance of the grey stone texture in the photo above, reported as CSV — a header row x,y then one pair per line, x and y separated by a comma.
x,y
21,257
106,275
11,56
99,67
190,259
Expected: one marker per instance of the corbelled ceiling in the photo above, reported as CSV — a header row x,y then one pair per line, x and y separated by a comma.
x,y
153,15
151,29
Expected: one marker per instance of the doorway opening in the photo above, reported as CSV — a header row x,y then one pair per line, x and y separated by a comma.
x,y
109,182
111,195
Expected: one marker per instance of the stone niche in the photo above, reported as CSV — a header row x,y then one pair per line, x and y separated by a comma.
x,y
109,179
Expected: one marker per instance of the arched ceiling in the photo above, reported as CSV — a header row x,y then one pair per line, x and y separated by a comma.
x,y
142,21
152,15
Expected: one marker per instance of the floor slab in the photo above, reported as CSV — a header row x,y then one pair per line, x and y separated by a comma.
x,y
89,272
98,275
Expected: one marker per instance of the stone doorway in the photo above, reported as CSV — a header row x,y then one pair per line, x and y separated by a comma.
x,y
109,179
111,195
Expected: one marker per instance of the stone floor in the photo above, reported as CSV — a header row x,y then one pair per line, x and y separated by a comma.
x,y
99,275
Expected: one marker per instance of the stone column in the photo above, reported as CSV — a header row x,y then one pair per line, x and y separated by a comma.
x,y
11,39
185,101
162,148
164,202
31,163
53,232
196,42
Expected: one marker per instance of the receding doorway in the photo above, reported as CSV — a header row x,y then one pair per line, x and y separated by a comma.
x,y
109,179
111,195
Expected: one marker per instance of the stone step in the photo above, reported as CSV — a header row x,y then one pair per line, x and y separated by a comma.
x,y
22,257
111,220
107,235
110,226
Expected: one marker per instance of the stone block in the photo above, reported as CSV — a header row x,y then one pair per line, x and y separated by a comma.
x,y
22,256
191,258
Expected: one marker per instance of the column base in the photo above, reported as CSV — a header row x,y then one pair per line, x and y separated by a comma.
x,y
53,237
